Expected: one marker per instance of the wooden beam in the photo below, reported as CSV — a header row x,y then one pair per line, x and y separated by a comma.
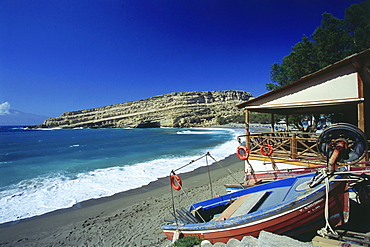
x,y
361,105
272,119
361,116
286,123
293,146
247,139
243,205
361,108
232,208
325,242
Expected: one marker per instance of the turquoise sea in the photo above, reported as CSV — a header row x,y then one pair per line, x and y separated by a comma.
x,y
48,169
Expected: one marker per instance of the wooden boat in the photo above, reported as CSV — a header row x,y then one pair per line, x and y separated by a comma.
x,y
290,206
272,175
287,206
268,176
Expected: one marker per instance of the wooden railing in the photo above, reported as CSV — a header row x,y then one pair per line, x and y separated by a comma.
x,y
291,145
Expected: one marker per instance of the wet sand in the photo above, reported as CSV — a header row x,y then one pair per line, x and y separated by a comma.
x,y
132,218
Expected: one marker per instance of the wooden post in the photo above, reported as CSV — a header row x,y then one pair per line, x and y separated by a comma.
x,y
361,105
293,146
272,122
361,116
247,141
286,123
247,138
361,123
361,108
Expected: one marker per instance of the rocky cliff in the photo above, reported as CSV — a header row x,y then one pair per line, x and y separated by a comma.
x,y
184,109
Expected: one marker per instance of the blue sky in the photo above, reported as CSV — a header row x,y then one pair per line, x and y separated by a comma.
x,y
64,55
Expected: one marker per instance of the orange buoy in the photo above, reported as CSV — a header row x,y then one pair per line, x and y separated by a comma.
x,y
266,150
242,152
178,181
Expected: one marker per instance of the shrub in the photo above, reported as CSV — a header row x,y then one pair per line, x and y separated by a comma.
x,y
187,241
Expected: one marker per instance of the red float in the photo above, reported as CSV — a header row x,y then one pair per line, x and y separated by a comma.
x,y
266,150
178,181
242,152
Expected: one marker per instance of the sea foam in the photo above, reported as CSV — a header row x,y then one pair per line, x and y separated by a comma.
x,y
57,191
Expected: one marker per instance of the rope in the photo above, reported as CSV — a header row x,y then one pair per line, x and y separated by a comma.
x,y
209,175
184,192
274,167
191,162
327,229
228,170
252,172
188,200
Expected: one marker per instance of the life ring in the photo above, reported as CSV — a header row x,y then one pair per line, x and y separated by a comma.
x,y
266,150
178,181
242,152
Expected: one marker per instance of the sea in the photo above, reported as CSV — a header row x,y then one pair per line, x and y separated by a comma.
x,y
43,170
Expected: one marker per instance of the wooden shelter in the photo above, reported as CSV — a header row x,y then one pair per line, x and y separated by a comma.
x,y
341,88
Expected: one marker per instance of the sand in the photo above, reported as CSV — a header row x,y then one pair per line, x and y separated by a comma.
x,y
132,218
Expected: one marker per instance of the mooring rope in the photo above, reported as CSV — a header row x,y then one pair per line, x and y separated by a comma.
x,y
228,170
182,189
188,201
209,175
327,190
327,229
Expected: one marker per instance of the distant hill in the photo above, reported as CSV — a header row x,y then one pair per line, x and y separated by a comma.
x,y
15,117
182,109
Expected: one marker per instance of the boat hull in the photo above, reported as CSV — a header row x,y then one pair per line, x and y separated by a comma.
x,y
268,176
294,219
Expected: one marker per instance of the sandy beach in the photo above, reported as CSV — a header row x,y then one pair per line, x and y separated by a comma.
x,y
132,218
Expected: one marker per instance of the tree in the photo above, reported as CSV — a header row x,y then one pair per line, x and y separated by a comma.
x,y
357,18
332,41
301,61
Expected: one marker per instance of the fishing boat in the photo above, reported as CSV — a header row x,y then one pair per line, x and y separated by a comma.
x,y
290,206
261,177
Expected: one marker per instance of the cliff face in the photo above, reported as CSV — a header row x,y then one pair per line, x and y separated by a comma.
x,y
184,109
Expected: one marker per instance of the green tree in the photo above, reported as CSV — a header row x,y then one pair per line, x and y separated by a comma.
x,y
256,117
332,41
301,61
357,18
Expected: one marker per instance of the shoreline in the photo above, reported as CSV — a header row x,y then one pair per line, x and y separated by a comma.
x,y
130,218
105,174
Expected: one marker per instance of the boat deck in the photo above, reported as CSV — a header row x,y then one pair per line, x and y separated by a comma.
x,y
261,197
